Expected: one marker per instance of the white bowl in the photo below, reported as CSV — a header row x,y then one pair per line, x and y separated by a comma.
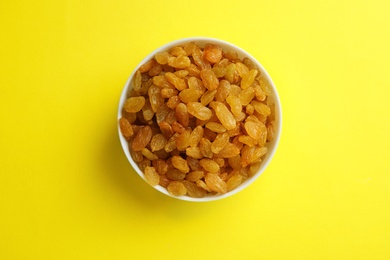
x,y
201,41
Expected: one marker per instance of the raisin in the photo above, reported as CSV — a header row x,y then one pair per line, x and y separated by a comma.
x,y
125,127
212,53
134,104
176,188
209,79
209,165
224,115
199,111
196,136
193,190
233,182
219,143
181,164
142,138
151,176
215,183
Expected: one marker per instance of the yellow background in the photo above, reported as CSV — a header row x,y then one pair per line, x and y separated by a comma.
x,y
68,192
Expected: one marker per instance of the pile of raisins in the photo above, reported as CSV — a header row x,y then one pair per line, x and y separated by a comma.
x,y
198,120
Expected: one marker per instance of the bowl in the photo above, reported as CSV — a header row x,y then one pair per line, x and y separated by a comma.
x,y
272,145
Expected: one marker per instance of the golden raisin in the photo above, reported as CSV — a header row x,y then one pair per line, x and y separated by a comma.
x,y
212,53
151,176
215,183
181,164
193,190
209,79
233,182
224,115
134,104
198,119
176,188
209,165
142,138
196,135
220,142
199,111
125,127
158,142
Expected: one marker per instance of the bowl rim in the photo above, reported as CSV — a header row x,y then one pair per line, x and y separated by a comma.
x,y
278,116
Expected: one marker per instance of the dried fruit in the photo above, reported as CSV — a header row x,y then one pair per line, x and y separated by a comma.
x,y
215,183
247,140
209,79
235,162
197,55
151,176
126,128
173,102
203,185
190,95
196,84
182,114
169,92
212,53
215,127
148,154
261,108
241,69
209,165
205,148
189,48
235,104
166,129
193,190
180,62
158,142
181,164
136,155
162,57
246,96
198,119
175,174
207,97
196,136
142,138
195,175
183,140
155,70
224,115
134,104
194,152
164,181
220,142
178,128
181,73
230,70
176,188
137,82
160,165
162,113
171,144
147,66
230,150
199,111
233,182
177,51
155,98
176,81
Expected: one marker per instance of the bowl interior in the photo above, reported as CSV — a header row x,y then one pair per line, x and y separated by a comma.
x,y
201,41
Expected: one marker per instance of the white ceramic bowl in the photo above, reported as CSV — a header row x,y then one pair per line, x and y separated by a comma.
x,y
226,47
